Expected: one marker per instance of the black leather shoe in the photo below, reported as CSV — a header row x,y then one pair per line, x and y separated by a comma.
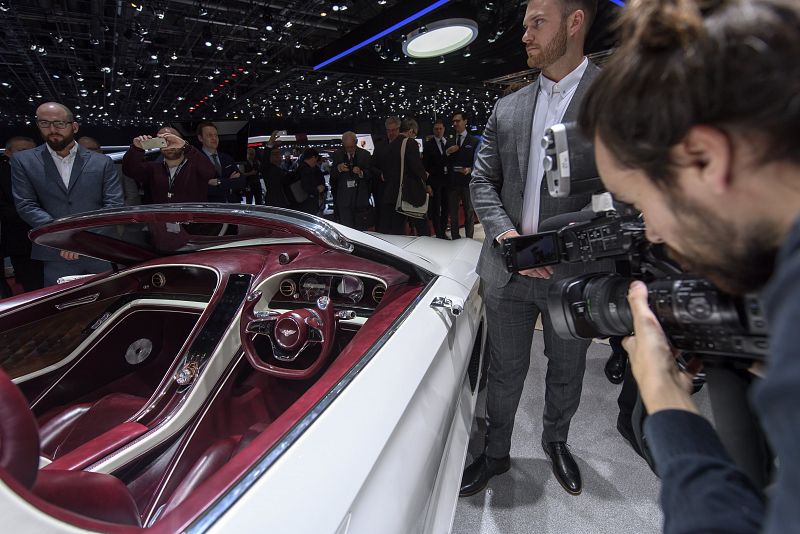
x,y
615,367
476,476
564,467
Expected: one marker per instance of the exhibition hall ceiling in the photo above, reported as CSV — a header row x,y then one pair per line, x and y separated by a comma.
x,y
129,62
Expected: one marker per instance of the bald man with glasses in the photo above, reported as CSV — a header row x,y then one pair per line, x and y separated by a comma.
x,y
61,178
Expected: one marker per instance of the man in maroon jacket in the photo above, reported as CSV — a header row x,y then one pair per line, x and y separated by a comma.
x,y
183,176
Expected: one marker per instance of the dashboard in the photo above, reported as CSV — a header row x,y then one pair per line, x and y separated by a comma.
x,y
344,289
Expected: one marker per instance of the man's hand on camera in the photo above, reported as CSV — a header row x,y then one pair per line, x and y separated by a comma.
x,y
663,386
173,141
539,272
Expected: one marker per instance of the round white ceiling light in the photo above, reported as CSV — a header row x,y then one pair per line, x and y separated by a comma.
x,y
440,38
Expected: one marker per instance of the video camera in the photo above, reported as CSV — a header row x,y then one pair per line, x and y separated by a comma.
x,y
696,316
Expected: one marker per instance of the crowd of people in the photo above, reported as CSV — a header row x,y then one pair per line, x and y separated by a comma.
x,y
365,187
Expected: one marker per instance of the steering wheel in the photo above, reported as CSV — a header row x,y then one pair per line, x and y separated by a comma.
x,y
290,334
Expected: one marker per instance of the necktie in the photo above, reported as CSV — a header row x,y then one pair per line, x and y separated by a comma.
x,y
460,140
441,143
217,166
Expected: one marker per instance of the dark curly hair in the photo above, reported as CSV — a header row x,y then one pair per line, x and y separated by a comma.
x,y
730,64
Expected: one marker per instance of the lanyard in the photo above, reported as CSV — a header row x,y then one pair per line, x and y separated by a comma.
x,y
172,176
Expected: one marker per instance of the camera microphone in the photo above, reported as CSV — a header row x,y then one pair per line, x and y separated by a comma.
x,y
565,219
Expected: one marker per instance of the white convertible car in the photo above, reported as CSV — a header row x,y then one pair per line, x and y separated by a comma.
x,y
239,370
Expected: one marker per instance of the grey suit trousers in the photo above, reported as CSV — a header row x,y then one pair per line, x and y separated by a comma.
x,y
511,313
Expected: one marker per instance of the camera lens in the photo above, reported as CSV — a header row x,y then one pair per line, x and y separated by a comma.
x,y
607,305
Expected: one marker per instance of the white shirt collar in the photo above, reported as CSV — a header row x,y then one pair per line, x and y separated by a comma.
x,y
72,152
567,83
208,152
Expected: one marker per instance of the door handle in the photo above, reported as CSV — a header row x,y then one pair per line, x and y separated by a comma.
x,y
88,299
454,306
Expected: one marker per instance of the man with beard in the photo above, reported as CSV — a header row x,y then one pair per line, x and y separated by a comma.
x,y
61,178
184,175
695,122
510,197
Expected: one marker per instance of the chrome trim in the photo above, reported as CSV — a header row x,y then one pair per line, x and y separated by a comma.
x,y
319,228
88,299
374,290
455,307
216,510
291,283
113,276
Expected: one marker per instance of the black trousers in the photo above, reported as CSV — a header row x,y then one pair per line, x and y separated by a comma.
x,y
455,197
253,191
437,210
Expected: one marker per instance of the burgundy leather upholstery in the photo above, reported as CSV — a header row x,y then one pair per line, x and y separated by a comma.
x,y
94,495
19,437
71,428
212,460
99,447
55,426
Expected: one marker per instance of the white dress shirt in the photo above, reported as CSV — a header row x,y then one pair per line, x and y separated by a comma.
x,y
551,104
64,165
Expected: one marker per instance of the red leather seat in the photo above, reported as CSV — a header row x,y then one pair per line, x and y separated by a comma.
x,y
216,456
94,495
64,429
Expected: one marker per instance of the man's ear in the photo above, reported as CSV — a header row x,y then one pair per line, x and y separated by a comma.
x,y
577,21
709,151
75,127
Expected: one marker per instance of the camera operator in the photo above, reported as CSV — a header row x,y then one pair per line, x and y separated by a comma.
x,y
695,121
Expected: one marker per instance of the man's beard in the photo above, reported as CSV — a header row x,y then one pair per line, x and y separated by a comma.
x,y
735,260
552,52
59,145
172,155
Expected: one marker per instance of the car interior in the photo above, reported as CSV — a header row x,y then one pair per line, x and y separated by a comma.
x,y
148,392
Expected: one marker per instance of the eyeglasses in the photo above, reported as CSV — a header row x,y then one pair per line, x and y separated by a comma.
x,y
58,124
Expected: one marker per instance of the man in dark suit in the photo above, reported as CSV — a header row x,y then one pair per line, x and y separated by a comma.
x,y
380,160
61,178
184,175
276,180
14,242
510,196
391,221
461,158
229,183
350,180
434,156
310,181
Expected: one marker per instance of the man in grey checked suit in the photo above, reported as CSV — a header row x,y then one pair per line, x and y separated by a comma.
x,y
61,178
510,197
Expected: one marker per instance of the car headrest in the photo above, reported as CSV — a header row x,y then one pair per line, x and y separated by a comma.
x,y
19,436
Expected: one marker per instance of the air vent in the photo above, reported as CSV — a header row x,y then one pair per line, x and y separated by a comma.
x,y
377,293
288,287
158,280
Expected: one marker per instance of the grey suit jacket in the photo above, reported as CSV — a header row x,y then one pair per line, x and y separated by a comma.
x,y
499,177
40,195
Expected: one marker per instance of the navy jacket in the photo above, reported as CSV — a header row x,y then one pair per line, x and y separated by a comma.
x,y
465,157
702,490
224,191
40,194
436,163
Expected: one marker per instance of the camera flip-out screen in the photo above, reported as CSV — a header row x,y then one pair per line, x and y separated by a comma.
x,y
531,251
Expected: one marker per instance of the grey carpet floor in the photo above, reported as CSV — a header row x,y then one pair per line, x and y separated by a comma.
x,y
620,493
